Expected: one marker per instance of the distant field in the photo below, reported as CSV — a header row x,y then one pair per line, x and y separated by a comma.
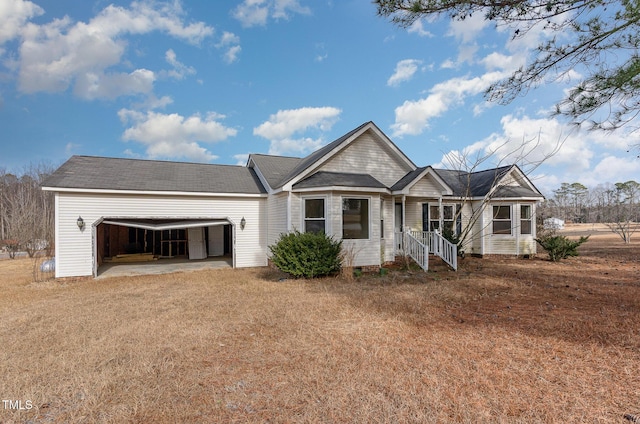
x,y
501,340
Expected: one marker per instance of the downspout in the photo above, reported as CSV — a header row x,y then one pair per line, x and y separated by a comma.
x,y
440,217
288,211
483,234
56,231
516,214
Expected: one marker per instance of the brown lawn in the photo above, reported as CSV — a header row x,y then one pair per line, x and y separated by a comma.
x,y
501,340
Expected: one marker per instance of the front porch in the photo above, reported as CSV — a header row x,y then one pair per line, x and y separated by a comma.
x,y
420,244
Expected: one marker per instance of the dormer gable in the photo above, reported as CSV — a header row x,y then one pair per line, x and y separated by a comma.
x,y
422,182
365,150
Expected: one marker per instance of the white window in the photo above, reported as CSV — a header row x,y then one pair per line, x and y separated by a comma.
x,y
431,217
314,216
355,218
525,219
502,219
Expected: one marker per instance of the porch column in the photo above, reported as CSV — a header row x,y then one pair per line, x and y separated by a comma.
x,y
440,217
404,214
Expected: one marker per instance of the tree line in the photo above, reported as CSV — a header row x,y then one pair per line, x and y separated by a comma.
x,y
26,211
617,205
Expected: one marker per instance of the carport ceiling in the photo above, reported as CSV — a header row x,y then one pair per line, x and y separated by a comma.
x,y
164,224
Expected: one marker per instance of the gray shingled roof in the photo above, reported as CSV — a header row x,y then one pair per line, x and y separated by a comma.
x,y
91,172
275,168
404,181
480,182
339,179
514,191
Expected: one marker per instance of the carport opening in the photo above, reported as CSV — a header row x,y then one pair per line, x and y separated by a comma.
x,y
129,241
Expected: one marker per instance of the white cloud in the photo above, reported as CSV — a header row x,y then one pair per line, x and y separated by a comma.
x,y
256,12
540,138
413,117
92,86
623,139
281,127
231,55
405,69
526,141
467,30
231,43
448,64
173,135
228,38
281,8
59,54
180,70
614,169
251,13
418,28
499,61
295,146
13,15
241,159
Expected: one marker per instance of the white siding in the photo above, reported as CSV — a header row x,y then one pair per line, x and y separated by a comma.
x,y
296,213
513,244
74,248
413,216
277,217
369,155
426,187
367,252
298,209
387,244
478,229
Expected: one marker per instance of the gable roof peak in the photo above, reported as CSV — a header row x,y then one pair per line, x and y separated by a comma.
x,y
324,153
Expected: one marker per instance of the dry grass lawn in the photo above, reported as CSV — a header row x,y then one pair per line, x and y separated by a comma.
x,y
501,340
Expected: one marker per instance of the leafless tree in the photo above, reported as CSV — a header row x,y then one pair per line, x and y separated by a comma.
x,y
625,216
26,211
528,154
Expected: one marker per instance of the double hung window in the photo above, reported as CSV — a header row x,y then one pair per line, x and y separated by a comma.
x,y
525,219
502,219
314,216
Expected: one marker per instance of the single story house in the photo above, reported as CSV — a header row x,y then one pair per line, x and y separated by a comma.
x,y
360,188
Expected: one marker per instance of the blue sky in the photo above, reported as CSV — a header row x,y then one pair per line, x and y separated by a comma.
x,y
206,81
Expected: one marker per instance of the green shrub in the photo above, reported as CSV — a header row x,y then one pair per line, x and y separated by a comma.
x,y
560,247
306,255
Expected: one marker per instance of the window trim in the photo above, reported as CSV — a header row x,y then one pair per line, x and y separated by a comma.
x,y
368,199
494,220
530,219
455,207
304,212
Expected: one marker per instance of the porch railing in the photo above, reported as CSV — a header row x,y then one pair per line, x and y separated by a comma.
x,y
416,249
434,244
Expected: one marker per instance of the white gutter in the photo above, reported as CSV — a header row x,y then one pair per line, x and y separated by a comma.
x,y
151,193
